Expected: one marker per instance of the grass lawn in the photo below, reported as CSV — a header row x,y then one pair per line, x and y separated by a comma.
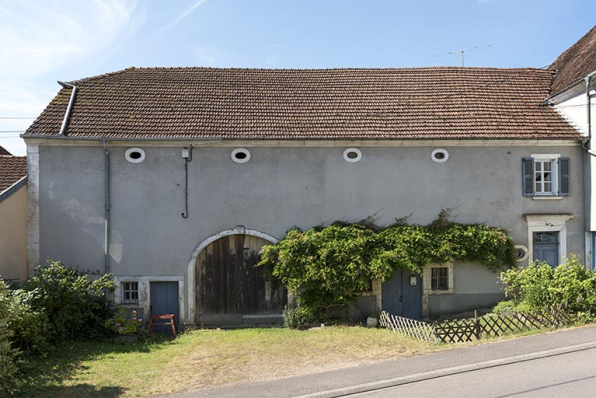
x,y
206,359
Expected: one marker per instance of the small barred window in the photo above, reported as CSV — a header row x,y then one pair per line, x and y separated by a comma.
x,y
130,292
439,279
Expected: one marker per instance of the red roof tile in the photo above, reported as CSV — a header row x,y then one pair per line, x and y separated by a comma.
x,y
575,63
419,103
12,169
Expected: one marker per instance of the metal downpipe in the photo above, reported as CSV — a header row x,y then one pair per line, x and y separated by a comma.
x,y
106,207
589,103
73,94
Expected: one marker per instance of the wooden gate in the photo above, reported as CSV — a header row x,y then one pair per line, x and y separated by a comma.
x,y
231,290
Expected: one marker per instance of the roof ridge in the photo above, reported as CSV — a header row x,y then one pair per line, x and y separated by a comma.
x,y
335,69
103,75
347,69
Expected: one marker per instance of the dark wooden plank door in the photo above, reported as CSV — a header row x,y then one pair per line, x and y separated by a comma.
x,y
230,286
164,300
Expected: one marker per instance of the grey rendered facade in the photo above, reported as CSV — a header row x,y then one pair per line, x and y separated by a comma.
x,y
284,184
172,179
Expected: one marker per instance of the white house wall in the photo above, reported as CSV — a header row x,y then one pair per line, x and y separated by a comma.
x,y
277,189
573,106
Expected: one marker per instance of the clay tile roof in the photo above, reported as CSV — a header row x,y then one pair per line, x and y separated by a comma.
x,y
4,152
420,103
12,169
575,63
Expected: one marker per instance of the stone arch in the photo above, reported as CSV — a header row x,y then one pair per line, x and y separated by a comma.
x,y
190,318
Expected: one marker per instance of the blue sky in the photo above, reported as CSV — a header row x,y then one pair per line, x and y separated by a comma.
x,y
65,40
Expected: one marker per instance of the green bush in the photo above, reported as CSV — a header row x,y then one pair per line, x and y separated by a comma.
x,y
506,308
56,305
120,323
72,301
31,327
9,380
297,317
540,286
328,266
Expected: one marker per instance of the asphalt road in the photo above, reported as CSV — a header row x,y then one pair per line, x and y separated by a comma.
x,y
567,375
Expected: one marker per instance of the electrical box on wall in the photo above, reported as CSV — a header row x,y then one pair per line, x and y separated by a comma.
x,y
185,153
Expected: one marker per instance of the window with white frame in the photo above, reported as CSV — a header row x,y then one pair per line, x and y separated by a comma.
x,y
543,177
546,175
130,292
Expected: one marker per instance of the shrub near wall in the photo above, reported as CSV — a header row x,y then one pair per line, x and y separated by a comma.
x,y
328,266
73,300
9,381
57,305
540,286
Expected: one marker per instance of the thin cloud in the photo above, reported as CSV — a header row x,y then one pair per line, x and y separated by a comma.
x,y
41,38
180,17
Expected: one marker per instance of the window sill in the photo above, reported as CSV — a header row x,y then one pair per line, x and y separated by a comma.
x,y
437,292
547,197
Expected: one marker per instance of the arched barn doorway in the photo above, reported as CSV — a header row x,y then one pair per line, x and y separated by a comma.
x,y
230,290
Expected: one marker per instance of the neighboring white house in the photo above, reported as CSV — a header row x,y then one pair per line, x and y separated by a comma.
x,y
13,216
573,95
173,178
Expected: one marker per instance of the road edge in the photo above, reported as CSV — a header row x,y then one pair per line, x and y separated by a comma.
x,y
418,377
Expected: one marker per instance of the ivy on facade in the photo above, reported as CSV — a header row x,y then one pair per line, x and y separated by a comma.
x,y
329,266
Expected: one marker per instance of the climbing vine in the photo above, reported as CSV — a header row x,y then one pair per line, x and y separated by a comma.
x,y
329,265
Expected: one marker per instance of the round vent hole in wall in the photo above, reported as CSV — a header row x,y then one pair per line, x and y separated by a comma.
x,y
521,253
240,155
134,155
439,155
352,155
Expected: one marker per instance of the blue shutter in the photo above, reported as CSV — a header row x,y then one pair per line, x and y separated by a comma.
x,y
528,176
564,177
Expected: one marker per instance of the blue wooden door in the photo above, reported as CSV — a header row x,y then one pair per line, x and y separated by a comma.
x,y
402,295
546,247
164,300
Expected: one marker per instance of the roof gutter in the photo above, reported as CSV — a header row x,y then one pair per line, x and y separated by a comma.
x,y
588,102
69,108
577,83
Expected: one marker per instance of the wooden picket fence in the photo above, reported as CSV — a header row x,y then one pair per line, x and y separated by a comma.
x,y
408,327
470,329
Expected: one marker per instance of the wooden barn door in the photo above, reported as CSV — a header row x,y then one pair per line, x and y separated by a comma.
x,y
230,289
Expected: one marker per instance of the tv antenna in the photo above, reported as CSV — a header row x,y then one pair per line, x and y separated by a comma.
x,y
463,51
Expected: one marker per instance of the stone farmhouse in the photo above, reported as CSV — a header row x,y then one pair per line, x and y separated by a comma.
x,y
172,179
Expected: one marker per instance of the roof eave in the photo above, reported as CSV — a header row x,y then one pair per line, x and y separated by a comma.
x,y
559,95
12,189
